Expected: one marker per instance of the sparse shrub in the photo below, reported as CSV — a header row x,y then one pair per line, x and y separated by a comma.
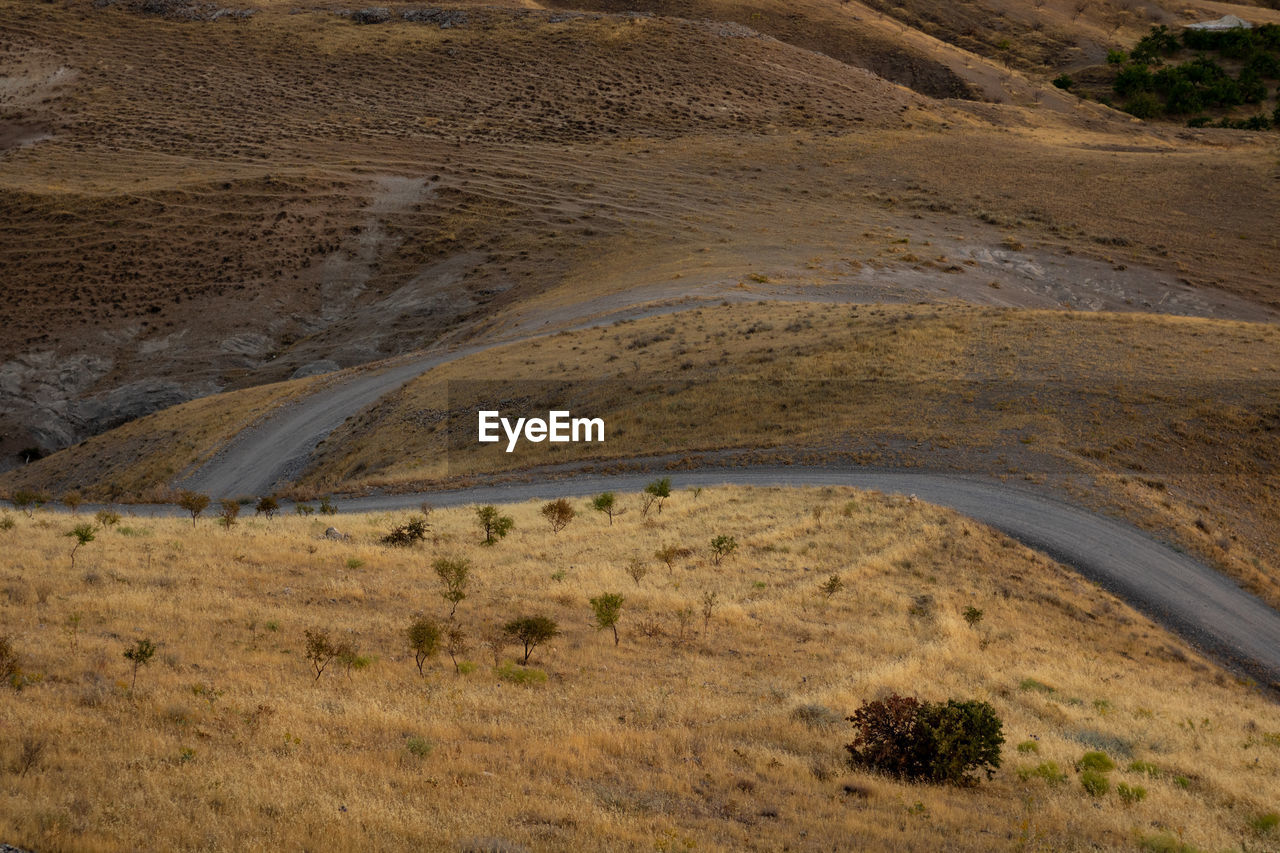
x,y
424,640
657,493
10,669
303,509
1143,105
608,504
558,514
831,586
1265,823
454,574
972,616
408,534
228,512
27,500
1063,81
327,506
1029,746
1131,794
531,632
495,525
684,616
1146,768
607,608
722,546
524,675
139,655
354,563
927,741
419,747
320,651
7,523
267,506
670,553
106,518
194,503
637,570
72,501
1095,783
1099,761
83,534
30,751
709,600
349,658
1037,686
455,643
1049,771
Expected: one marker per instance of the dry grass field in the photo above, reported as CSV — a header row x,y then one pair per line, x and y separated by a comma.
x,y
714,733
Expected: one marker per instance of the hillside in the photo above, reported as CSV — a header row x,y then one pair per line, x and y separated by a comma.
x,y
716,732
1169,422
283,194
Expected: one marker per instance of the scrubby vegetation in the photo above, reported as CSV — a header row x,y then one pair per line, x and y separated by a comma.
x,y
282,677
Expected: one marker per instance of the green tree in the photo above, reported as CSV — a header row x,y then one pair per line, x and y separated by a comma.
x,y
495,525
608,504
194,503
531,632
139,655
424,640
320,650
608,608
454,574
267,506
657,491
83,534
722,546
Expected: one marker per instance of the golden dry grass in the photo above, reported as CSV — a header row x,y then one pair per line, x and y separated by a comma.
x,y
229,740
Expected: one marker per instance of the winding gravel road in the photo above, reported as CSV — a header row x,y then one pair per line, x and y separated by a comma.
x,y
1182,594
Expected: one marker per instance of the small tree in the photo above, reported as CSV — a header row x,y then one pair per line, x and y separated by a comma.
x,y
26,500
194,503
83,534
454,574
831,586
495,525
106,518
531,631
406,535
973,616
139,655
455,643
608,608
658,491
424,640
320,650
558,514
608,504
670,553
709,601
637,570
267,506
228,512
72,501
327,506
721,547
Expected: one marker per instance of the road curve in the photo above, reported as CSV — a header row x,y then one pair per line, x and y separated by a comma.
x,y
1193,600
